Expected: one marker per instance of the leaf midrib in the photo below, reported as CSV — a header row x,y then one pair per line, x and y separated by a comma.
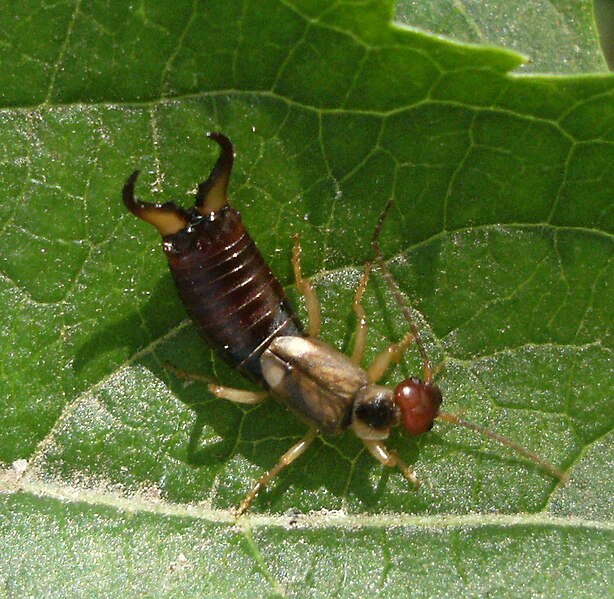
x,y
313,520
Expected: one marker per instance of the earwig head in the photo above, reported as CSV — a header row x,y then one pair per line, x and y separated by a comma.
x,y
169,218
374,412
418,403
377,409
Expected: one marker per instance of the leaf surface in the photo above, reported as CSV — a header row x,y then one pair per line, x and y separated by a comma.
x,y
500,235
571,44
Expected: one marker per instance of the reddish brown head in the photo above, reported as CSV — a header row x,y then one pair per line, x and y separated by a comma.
x,y
419,404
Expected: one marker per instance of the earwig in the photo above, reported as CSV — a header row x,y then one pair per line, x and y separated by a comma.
x,y
242,311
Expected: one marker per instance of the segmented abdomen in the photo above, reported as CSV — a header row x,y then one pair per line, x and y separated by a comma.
x,y
228,290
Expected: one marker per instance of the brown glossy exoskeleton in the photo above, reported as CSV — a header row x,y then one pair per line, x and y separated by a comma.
x,y
242,311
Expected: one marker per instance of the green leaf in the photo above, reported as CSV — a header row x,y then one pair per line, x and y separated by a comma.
x,y
500,234
571,44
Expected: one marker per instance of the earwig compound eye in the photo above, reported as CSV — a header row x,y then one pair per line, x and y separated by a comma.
x,y
242,311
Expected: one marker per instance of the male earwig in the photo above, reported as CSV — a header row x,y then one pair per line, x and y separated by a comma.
x,y
242,311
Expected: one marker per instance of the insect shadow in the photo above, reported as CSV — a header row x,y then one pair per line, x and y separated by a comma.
x,y
338,464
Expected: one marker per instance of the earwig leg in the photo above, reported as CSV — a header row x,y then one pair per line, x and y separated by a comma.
x,y
391,459
243,396
294,452
304,286
391,354
360,339
184,375
238,395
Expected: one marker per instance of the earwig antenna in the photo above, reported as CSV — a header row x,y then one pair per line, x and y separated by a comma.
x,y
539,461
394,287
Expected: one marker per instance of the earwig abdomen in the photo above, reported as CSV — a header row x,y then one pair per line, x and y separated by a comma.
x,y
227,288
234,299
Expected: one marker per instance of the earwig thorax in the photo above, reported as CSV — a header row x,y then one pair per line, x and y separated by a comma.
x,y
374,412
